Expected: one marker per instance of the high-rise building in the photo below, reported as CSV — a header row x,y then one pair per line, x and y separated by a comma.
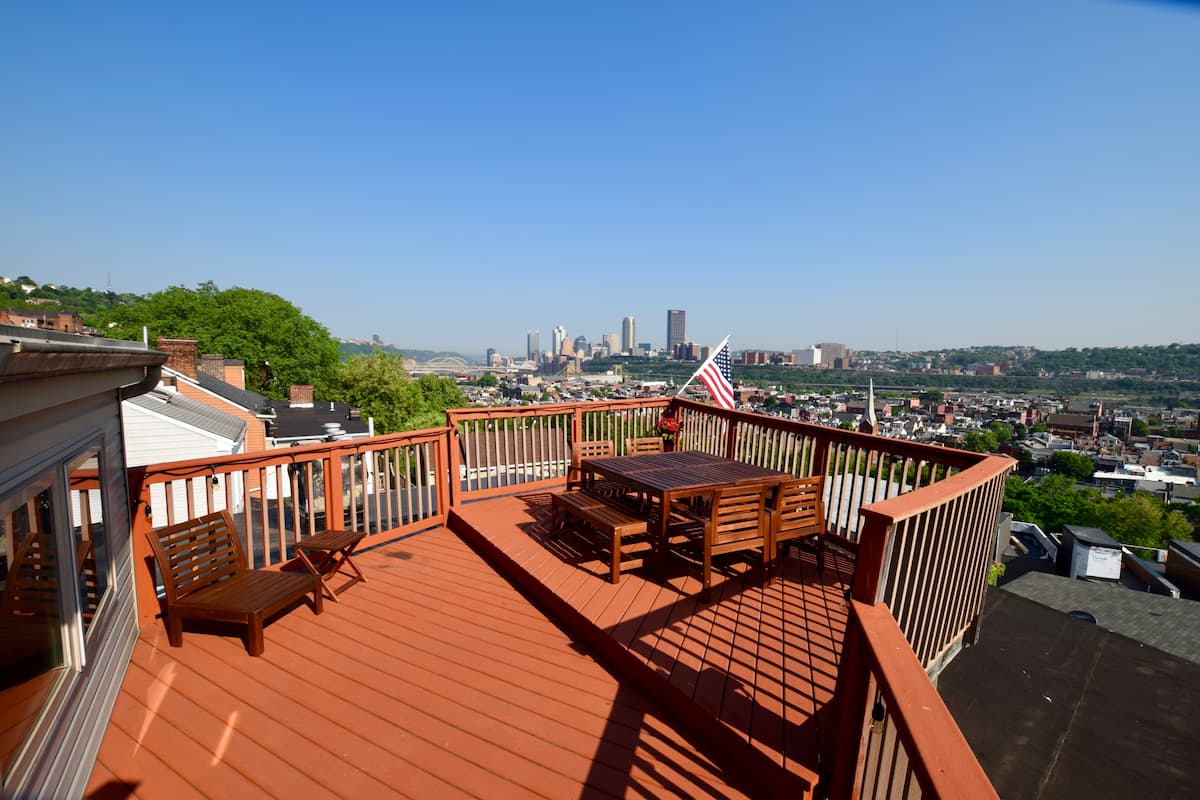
x,y
580,345
613,342
491,356
676,329
560,335
532,346
628,335
832,352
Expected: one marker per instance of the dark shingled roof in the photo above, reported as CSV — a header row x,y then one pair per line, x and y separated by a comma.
x,y
251,401
1171,625
1054,707
300,423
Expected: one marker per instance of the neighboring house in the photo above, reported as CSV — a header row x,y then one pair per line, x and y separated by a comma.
x,y
65,321
162,426
64,642
301,420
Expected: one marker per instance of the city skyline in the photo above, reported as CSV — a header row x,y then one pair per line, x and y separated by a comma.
x,y
918,177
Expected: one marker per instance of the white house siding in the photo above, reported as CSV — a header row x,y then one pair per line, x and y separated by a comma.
x,y
60,766
154,439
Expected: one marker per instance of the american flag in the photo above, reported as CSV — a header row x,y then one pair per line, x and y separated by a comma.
x,y
717,376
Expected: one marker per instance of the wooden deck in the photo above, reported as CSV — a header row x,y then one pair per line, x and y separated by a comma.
x,y
434,679
750,673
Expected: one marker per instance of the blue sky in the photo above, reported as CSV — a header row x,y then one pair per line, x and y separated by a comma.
x,y
450,175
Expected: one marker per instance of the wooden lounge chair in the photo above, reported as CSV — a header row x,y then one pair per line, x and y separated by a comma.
x,y
736,521
799,513
206,578
643,445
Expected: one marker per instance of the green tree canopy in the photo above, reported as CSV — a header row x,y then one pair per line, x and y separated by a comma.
x,y
381,388
1139,427
280,345
1053,501
1074,465
980,441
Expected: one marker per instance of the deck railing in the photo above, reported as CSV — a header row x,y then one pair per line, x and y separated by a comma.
x,y
920,518
895,737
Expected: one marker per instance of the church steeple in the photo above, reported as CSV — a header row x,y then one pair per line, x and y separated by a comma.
x,y
869,424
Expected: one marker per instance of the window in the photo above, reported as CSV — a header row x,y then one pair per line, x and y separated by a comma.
x,y
55,568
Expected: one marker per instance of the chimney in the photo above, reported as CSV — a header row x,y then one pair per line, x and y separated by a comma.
x,y
213,365
235,373
301,395
181,354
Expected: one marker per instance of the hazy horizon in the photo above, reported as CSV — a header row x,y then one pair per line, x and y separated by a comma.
x,y
910,178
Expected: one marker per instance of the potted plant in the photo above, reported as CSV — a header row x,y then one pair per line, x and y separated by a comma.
x,y
668,428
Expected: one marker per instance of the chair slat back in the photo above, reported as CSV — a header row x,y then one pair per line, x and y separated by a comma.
x,y
642,445
198,553
31,588
598,449
800,508
738,518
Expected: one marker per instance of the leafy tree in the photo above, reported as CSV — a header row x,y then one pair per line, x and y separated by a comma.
x,y
981,441
1138,519
1019,431
1139,427
280,345
1002,431
1075,465
381,388
488,379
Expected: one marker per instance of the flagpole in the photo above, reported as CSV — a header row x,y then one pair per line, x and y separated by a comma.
x,y
711,356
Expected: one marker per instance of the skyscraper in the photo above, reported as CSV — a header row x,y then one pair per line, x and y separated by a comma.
x,y
628,335
676,330
532,350
560,334
613,342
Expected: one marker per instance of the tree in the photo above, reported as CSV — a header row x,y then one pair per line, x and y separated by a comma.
x,y
487,379
1075,465
379,386
1139,427
980,441
280,345
1001,431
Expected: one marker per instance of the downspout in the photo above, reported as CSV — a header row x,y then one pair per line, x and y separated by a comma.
x,y
153,376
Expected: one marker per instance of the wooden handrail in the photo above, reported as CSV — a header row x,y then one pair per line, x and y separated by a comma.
x,y
935,749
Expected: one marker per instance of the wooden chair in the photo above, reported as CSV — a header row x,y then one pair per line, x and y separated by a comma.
x,y
206,578
799,513
643,444
736,521
581,450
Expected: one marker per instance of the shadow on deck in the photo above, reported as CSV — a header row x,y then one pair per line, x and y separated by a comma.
x,y
750,673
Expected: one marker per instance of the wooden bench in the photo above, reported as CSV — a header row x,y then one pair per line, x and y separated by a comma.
x,y
604,515
206,578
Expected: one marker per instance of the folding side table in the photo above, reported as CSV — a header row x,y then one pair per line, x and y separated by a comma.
x,y
326,553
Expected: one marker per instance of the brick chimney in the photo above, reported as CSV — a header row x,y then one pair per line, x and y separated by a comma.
x,y
181,354
235,373
301,394
213,365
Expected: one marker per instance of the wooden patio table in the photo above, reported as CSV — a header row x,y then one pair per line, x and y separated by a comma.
x,y
679,475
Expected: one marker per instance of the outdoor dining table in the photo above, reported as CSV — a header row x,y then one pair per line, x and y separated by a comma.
x,y
675,476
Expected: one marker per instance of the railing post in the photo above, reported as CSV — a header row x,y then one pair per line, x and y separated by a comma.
x,y
335,509
731,439
453,462
821,456
140,527
873,545
855,686
446,485
576,424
